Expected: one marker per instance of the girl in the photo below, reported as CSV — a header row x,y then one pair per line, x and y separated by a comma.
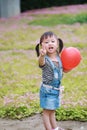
x,y
50,63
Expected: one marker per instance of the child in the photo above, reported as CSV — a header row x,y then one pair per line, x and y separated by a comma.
x,y
50,63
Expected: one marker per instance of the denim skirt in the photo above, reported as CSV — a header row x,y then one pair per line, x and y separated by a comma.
x,y
49,98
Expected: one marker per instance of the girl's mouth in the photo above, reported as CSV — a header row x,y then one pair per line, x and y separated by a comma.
x,y
50,48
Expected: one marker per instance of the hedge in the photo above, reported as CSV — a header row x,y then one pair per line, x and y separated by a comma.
x,y
37,4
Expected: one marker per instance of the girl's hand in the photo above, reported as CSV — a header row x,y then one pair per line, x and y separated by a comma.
x,y
66,71
43,51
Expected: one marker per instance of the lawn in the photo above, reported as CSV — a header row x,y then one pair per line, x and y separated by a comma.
x,y
20,75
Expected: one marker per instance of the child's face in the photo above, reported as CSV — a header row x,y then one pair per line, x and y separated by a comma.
x,y
50,44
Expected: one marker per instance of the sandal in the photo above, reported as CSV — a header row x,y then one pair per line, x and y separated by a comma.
x,y
59,128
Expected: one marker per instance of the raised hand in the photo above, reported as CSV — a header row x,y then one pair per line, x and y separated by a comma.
x,y
43,51
42,56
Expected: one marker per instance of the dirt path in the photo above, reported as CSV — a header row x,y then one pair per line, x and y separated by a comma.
x,y
35,122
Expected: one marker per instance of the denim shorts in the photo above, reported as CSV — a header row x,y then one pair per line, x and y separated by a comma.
x,y
49,98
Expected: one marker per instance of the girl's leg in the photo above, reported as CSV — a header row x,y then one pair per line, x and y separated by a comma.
x,y
46,119
53,119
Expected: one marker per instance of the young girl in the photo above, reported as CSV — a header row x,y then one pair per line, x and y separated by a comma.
x,y
50,63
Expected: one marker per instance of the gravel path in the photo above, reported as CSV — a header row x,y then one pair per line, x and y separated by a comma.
x,y
35,122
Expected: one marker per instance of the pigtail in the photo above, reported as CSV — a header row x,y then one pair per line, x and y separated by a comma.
x,y
37,49
60,45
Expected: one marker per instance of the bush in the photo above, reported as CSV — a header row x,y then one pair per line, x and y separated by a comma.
x,y
78,113
35,4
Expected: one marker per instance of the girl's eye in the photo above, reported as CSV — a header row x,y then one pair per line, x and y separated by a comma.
x,y
46,42
53,41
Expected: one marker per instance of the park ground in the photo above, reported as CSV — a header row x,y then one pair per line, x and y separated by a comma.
x,y
35,121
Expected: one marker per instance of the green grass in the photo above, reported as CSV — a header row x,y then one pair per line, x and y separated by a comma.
x,y
16,70
55,19
20,76
27,39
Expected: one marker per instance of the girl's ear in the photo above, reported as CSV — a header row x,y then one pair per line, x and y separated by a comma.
x,y
60,45
37,49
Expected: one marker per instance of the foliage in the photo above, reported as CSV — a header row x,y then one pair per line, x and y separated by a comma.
x,y
78,113
35,4
19,112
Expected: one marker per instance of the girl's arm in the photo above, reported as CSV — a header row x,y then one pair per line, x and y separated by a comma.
x,y
41,60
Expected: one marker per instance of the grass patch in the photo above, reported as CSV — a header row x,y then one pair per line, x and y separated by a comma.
x,y
53,20
16,72
20,76
20,81
71,34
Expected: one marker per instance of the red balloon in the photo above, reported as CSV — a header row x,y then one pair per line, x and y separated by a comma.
x,y
70,57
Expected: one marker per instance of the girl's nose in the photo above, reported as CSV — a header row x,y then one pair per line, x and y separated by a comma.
x,y
50,43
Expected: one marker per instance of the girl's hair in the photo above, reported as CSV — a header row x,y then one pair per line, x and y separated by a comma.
x,y
45,36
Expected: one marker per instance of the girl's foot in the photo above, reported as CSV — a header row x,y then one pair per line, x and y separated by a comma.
x,y
59,128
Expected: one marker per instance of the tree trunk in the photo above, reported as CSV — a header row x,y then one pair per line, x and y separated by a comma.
x,y
9,8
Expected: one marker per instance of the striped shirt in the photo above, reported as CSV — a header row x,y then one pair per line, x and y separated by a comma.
x,y
47,72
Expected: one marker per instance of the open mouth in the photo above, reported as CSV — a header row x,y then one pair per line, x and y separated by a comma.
x,y
50,48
